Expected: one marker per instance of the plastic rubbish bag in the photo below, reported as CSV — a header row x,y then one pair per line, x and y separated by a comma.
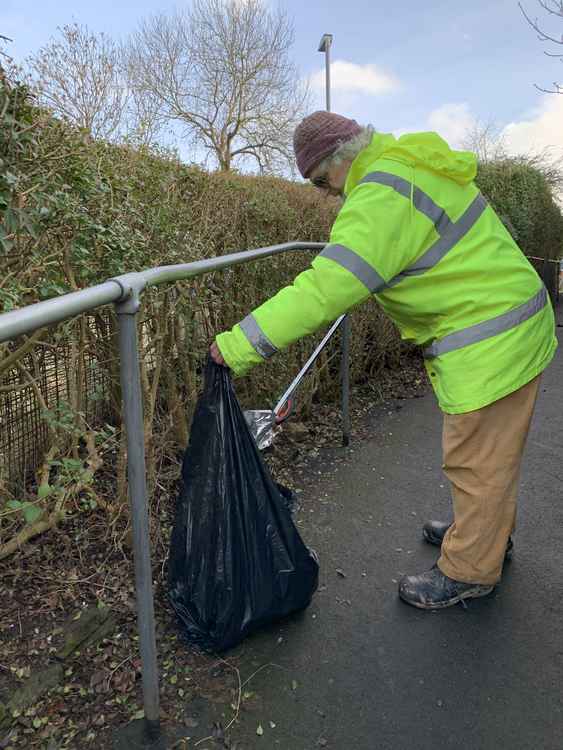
x,y
236,561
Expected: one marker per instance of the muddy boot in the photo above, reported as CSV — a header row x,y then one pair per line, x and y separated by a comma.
x,y
434,590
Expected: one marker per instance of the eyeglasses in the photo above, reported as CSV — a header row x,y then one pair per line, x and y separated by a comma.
x,y
321,182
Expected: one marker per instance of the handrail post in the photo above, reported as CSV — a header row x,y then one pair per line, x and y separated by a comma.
x,y
345,379
136,472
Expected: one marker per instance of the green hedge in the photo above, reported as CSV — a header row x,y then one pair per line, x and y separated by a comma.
x,y
74,212
524,199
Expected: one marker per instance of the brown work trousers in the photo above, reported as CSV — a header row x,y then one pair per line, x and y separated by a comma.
x,y
482,458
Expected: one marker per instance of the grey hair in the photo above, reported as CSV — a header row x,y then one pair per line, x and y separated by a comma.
x,y
348,150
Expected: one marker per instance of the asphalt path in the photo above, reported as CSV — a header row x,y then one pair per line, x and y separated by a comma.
x,y
360,670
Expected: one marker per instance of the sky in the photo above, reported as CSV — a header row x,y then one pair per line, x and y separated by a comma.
x,y
400,66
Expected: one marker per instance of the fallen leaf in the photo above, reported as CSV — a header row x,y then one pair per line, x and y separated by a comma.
x,y
259,730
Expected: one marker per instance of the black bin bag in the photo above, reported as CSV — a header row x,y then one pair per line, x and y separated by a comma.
x,y
237,561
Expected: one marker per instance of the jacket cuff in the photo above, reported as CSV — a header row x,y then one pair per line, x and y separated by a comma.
x,y
238,353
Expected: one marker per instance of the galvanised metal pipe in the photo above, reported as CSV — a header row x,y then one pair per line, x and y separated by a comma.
x,y
328,45
345,379
30,318
163,274
136,474
125,291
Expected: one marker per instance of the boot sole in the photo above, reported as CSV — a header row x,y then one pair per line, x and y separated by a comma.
x,y
437,542
469,594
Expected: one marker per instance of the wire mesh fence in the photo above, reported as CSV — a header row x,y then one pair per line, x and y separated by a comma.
x,y
56,372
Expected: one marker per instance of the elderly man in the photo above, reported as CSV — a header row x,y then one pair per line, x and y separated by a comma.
x,y
415,231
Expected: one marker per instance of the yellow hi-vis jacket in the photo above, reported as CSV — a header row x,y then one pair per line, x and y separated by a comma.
x,y
416,232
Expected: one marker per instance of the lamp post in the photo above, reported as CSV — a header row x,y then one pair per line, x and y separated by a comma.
x,y
324,46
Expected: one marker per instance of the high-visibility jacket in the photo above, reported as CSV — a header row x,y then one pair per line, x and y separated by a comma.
x,y
416,232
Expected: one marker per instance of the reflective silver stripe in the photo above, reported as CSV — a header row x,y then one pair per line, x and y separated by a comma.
x,y
422,201
446,242
257,337
352,262
488,328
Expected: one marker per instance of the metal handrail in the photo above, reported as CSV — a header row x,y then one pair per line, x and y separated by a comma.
x,y
125,292
123,288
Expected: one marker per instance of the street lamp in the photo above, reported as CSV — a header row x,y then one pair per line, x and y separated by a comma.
x,y
324,46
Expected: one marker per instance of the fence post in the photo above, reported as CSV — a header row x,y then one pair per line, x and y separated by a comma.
x,y
133,421
545,277
345,379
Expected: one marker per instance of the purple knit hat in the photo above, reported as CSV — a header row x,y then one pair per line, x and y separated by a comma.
x,y
319,135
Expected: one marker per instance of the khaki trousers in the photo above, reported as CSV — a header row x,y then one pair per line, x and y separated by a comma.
x,y
482,458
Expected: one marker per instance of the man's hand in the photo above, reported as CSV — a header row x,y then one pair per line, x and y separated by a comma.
x,y
216,355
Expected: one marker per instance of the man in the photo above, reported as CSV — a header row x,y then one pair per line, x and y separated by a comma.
x,y
415,231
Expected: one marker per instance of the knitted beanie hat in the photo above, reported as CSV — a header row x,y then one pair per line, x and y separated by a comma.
x,y
319,135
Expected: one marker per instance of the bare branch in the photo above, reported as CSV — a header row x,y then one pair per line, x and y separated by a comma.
x,y
557,88
554,8
486,141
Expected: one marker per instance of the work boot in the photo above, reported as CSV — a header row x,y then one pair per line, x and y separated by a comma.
x,y
434,590
435,531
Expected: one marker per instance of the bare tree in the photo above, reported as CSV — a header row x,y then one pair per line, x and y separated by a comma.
x,y
3,56
486,141
10,71
78,76
553,8
222,70
143,124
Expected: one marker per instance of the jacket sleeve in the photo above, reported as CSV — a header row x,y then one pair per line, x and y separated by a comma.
x,y
369,244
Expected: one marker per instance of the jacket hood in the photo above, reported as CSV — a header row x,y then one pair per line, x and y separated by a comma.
x,y
427,150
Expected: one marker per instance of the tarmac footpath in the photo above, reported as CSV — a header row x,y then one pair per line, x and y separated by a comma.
x,y
360,670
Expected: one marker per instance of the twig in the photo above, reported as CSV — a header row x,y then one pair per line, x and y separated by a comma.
x,y
29,532
12,511
270,664
542,35
241,685
115,670
12,358
237,710
239,696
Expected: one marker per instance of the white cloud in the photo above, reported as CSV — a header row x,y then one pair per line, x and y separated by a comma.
x,y
452,121
542,129
347,77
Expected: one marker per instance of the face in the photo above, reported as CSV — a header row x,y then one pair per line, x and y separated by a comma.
x,y
333,181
